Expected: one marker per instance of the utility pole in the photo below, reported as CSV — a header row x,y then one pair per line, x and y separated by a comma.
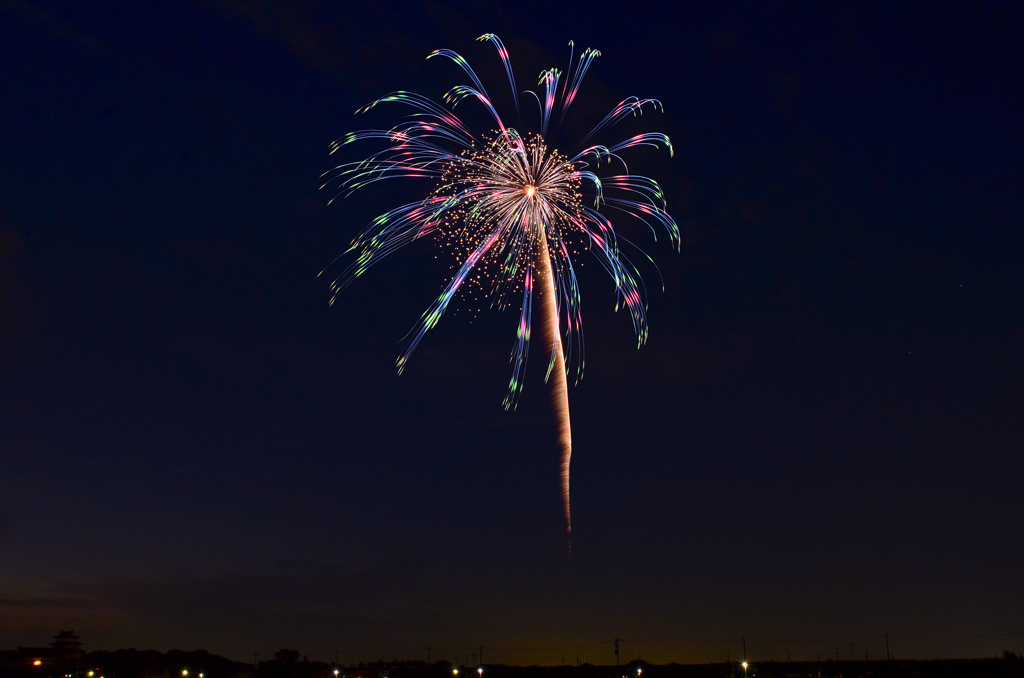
x,y
744,648
429,648
888,657
481,648
256,659
617,641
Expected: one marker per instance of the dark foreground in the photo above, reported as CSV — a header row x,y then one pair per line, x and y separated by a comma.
x,y
131,663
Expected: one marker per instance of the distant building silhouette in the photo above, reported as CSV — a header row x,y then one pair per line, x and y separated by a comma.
x,y
60,660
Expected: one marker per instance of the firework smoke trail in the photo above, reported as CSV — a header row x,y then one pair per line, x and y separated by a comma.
x,y
559,387
513,212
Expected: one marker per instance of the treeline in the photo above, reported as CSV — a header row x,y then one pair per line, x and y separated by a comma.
x,y
132,663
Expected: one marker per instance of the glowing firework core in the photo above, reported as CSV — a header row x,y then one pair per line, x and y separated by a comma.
x,y
530,190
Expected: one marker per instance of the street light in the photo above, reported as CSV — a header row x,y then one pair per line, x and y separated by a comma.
x,y
744,665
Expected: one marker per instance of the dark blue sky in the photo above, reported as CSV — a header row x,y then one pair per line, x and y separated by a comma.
x,y
820,443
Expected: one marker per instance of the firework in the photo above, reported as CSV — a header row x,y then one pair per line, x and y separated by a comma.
x,y
514,212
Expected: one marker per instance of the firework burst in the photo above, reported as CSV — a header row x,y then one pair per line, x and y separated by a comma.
x,y
514,211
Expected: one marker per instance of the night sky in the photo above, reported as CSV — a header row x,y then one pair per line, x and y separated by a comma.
x,y
820,443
